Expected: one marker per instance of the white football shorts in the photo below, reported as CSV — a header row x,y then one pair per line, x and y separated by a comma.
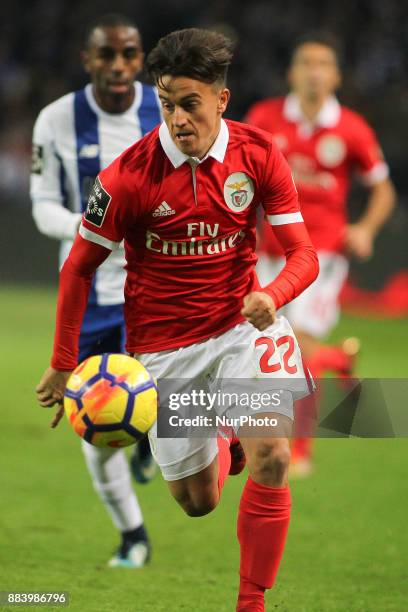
x,y
242,352
315,311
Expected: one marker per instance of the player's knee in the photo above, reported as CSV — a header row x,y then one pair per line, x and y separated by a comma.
x,y
195,506
195,510
271,460
202,504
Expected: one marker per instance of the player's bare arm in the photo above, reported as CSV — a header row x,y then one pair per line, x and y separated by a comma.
x,y
360,236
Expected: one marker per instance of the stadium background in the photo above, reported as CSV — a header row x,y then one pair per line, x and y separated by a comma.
x,y
39,61
348,538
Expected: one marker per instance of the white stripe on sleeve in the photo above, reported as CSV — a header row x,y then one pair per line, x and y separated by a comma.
x,y
97,239
377,174
285,219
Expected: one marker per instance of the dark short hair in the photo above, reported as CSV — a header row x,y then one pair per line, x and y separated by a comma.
x,y
325,38
199,54
110,20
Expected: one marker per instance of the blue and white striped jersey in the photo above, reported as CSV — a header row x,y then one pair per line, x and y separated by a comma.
x,y
73,140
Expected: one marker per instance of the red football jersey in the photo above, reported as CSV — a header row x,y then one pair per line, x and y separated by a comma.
x,y
189,230
322,158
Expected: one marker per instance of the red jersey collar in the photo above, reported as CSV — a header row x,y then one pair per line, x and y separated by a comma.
x,y
177,158
327,117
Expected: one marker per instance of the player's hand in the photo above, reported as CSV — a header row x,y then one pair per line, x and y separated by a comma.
x,y
259,309
50,391
359,240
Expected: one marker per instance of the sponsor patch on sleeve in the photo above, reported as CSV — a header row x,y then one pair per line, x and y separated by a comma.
x,y
37,159
98,202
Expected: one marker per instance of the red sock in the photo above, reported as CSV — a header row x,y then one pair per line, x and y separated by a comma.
x,y
304,426
301,449
328,358
224,460
263,522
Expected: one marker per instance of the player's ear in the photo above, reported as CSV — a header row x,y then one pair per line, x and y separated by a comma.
x,y
223,99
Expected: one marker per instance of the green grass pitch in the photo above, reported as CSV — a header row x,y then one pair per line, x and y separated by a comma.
x,y
348,540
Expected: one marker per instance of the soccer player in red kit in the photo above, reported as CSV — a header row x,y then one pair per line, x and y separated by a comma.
x,y
323,143
184,199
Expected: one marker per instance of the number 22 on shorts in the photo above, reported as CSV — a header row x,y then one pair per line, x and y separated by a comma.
x,y
271,347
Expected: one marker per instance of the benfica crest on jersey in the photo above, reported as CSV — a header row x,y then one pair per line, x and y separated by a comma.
x,y
239,197
238,191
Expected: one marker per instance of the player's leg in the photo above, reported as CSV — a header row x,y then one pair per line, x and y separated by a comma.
x,y
264,511
109,470
199,493
110,473
263,364
194,468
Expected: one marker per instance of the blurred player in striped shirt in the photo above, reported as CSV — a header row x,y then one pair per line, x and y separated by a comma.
x,y
75,137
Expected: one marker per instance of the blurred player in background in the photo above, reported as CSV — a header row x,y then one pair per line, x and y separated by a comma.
x,y
324,143
74,139
185,199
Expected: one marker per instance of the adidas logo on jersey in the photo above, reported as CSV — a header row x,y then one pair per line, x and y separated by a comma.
x,y
164,210
89,150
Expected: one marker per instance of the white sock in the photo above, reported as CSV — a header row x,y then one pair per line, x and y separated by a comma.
x,y
109,470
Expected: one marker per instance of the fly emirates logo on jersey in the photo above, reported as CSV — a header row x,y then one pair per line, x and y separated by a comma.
x,y
201,239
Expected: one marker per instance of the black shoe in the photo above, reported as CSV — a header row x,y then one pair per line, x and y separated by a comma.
x,y
143,466
134,551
